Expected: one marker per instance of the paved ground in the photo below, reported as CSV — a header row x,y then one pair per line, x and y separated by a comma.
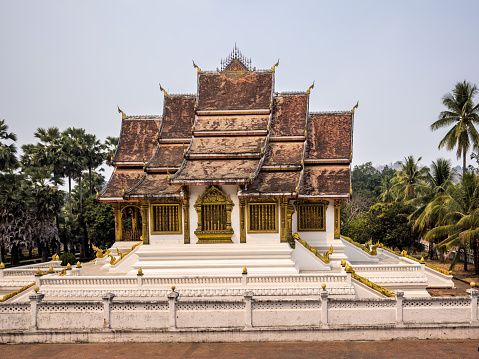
x,y
369,350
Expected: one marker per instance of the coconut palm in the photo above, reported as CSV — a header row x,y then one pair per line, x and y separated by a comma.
x,y
452,210
387,194
94,156
110,144
462,114
410,179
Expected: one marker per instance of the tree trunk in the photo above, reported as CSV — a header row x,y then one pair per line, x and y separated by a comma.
x,y
44,248
2,254
15,260
81,191
475,250
465,259
70,193
89,177
463,163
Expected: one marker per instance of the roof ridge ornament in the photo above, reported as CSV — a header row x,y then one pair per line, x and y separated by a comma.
x,y
310,88
198,70
164,91
236,55
273,69
123,116
355,107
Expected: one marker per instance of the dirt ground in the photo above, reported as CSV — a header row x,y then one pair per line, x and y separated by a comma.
x,y
462,279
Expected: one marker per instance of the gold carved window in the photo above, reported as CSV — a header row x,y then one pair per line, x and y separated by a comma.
x,y
166,218
262,217
213,217
312,216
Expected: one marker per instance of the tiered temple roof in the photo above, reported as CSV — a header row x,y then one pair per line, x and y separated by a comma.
x,y
235,130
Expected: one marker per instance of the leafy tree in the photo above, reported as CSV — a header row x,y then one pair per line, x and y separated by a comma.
x,y
387,194
388,223
100,222
462,114
94,155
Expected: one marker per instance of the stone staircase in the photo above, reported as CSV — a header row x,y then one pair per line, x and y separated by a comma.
x,y
215,259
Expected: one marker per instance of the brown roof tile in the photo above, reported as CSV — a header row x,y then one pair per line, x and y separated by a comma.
x,y
289,115
274,182
232,123
218,92
168,155
283,153
137,140
325,181
227,145
154,185
329,136
178,116
121,179
216,170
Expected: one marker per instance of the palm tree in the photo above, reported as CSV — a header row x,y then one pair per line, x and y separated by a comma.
x,y
94,156
410,179
462,114
387,194
110,144
8,152
454,211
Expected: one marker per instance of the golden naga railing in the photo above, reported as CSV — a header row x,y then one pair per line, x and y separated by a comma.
x,y
324,257
11,295
114,261
365,281
404,254
366,249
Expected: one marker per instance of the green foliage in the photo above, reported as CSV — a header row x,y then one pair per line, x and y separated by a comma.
x,y
68,257
366,180
410,179
100,222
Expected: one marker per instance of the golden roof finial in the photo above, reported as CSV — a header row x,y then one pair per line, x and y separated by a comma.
x,y
168,173
310,88
97,193
164,91
198,70
355,107
69,266
245,271
123,116
140,271
50,270
78,264
250,172
274,66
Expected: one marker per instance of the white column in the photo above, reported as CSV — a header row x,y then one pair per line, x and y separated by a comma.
x,y
172,298
248,298
35,299
324,308
107,299
473,293
399,306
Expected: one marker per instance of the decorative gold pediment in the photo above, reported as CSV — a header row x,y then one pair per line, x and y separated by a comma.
x,y
213,195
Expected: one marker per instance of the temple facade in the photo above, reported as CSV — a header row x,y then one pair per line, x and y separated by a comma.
x,y
236,162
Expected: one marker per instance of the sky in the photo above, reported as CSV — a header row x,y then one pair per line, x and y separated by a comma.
x,y
70,63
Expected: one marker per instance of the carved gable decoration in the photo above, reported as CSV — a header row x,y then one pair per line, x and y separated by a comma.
x,y
236,66
213,195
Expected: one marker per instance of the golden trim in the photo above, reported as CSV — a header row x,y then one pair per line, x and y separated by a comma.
x,y
311,203
324,257
179,217
11,295
262,216
371,252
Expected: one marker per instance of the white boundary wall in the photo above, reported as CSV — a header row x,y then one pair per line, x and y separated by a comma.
x,y
239,318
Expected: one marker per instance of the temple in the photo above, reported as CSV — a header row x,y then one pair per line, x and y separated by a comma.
x,y
234,163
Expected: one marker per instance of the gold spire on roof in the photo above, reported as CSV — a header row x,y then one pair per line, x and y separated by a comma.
x,y
123,116
310,88
274,66
198,70
168,173
164,91
355,107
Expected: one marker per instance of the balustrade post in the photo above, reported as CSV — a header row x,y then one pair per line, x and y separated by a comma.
x,y
172,298
1,272
473,293
35,299
348,278
399,307
324,307
248,299
107,300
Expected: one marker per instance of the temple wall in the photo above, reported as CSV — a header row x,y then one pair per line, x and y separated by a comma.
x,y
317,237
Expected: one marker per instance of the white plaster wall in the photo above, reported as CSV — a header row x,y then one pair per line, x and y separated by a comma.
x,y
440,312
230,190
318,237
136,319
14,321
70,320
280,318
360,314
210,318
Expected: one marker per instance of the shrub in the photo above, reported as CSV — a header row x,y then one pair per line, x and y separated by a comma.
x,y
68,257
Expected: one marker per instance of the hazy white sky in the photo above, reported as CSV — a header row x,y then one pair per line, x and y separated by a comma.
x,y
70,63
